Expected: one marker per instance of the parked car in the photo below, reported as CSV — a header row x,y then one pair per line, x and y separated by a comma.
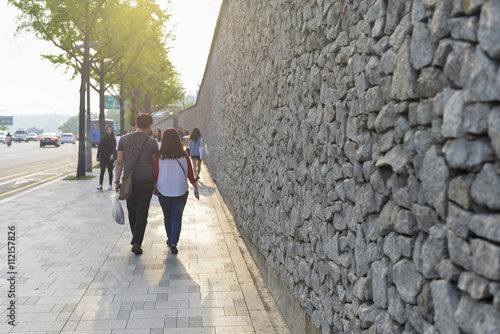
x,y
50,139
32,136
68,138
2,136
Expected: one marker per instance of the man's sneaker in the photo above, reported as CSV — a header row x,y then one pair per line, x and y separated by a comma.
x,y
137,249
174,249
100,187
110,187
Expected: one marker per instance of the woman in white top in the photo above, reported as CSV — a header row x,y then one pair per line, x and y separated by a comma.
x,y
157,136
171,169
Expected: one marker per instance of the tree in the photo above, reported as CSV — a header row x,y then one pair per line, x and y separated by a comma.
x,y
147,78
65,23
71,125
189,101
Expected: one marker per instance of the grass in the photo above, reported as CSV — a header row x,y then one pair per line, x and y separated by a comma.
x,y
73,177
97,166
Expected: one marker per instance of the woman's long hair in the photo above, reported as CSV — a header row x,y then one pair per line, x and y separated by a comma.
x,y
195,135
112,132
159,136
171,145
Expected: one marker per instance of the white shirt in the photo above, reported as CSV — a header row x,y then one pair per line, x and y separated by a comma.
x,y
117,141
172,181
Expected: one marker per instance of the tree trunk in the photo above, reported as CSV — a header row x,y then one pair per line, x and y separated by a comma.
x,y
147,104
122,109
80,171
102,119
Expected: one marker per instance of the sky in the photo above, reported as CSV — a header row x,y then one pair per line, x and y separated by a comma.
x,y
32,85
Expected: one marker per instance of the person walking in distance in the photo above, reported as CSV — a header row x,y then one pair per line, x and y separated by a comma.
x,y
157,136
195,142
106,154
143,183
172,168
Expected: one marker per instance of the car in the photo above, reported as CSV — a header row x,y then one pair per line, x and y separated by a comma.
x,y
3,134
21,135
50,139
32,136
68,138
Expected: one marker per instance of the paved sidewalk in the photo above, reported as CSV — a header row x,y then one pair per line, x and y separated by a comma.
x,y
75,273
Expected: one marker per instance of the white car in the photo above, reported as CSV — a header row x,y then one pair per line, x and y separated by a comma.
x,y
3,134
32,137
21,135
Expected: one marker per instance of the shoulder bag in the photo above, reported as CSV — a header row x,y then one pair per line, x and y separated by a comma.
x,y
126,185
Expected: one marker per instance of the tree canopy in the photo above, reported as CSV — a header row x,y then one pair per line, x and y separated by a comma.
x,y
120,44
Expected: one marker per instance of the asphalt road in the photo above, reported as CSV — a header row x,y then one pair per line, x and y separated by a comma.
x,y
24,165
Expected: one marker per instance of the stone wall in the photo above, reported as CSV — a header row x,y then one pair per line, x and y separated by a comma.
x,y
358,144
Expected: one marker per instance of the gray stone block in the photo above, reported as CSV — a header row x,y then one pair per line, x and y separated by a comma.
x,y
423,46
431,81
445,47
482,85
459,191
408,280
469,155
458,220
425,216
388,61
486,226
453,116
445,298
459,250
494,130
448,270
439,25
406,223
434,177
456,61
472,7
380,272
387,218
433,250
489,33
391,247
404,83
485,259
474,317
485,189
396,306
395,158
464,28
476,286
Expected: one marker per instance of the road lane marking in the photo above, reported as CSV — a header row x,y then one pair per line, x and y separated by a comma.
x,y
6,177
37,169
31,185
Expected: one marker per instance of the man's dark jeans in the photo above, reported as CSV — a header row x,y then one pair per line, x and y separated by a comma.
x,y
138,208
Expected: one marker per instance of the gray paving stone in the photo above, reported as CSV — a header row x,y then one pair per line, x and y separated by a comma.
x,y
83,278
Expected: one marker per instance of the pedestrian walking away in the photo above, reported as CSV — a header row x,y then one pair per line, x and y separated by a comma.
x,y
196,142
106,154
129,149
172,169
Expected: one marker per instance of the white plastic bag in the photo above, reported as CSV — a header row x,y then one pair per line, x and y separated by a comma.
x,y
203,151
117,210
